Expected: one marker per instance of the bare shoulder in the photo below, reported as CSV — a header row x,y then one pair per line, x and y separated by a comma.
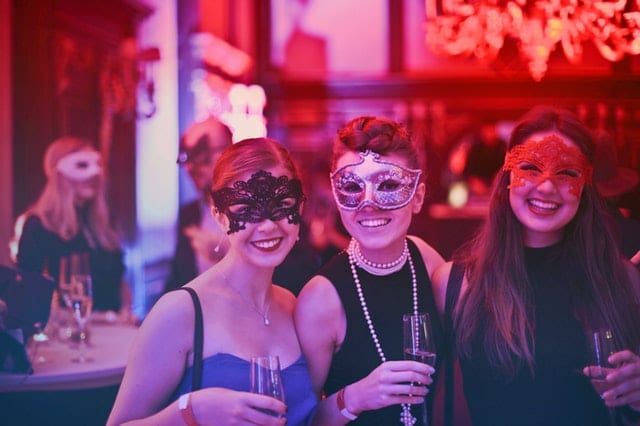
x,y
431,257
318,294
170,316
284,296
634,275
439,279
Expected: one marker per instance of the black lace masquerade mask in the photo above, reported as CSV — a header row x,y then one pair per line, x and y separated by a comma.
x,y
262,197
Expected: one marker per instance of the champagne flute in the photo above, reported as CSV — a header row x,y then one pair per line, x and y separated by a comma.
x,y
266,378
419,344
81,305
601,345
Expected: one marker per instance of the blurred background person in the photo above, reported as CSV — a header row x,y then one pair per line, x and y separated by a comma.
x,y
478,157
71,217
327,235
614,183
201,242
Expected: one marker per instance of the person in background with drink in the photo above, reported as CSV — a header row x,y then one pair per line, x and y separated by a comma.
x,y
349,316
71,217
257,198
544,269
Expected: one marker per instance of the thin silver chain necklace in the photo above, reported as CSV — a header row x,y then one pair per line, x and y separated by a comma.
x,y
406,418
265,314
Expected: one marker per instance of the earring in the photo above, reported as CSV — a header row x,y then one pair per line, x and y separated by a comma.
x,y
216,249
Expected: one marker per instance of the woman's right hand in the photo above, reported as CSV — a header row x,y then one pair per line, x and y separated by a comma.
x,y
391,383
226,407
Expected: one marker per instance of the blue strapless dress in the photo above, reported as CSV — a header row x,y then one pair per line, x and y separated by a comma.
x,y
231,372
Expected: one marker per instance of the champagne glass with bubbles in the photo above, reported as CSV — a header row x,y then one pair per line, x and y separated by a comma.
x,y
266,378
419,343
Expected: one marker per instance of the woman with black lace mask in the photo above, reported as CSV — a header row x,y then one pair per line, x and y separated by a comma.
x,y
257,197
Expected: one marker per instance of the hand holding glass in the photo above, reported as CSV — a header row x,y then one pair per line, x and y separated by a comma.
x,y
601,345
266,378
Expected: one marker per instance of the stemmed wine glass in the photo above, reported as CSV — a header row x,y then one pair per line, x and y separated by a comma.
x,y
81,299
601,345
419,344
266,378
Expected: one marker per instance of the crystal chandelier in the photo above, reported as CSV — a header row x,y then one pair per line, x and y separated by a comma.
x,y
480,27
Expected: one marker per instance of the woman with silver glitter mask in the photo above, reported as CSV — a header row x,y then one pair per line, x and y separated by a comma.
x,y
349,316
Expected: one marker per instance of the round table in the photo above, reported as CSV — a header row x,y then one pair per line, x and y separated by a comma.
x,y
108,348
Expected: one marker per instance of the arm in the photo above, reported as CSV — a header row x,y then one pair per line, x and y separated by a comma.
x,y
161,345
320,324
440,279
31,250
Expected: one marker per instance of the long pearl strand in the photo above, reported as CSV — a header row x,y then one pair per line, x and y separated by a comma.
x,y
406,418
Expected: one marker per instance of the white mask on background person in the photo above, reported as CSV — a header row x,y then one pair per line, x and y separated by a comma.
x,y
80,165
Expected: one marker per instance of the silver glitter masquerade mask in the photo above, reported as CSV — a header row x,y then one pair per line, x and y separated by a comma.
x,y
374,182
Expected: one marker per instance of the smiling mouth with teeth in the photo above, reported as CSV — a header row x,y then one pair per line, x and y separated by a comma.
x,y
544,205
267,244
374,223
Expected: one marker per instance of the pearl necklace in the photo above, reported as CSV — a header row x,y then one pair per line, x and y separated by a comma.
x,y
379,268
406,418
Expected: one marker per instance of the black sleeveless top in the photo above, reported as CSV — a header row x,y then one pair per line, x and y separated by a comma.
x,y
387,299
558,394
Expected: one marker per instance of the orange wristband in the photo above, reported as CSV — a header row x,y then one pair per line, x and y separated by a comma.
x,y
184,404
342,408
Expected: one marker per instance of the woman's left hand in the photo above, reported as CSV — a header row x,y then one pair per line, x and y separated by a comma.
x,y
625,380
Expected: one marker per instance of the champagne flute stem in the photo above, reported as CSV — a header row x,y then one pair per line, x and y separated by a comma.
x,y
424,413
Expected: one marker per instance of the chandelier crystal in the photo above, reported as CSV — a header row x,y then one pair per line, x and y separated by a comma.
x,y
480,27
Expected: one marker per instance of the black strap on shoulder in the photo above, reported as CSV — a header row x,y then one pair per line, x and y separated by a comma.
x,y
196,379
453,292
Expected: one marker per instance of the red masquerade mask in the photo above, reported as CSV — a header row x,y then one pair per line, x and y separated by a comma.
x,y
549,158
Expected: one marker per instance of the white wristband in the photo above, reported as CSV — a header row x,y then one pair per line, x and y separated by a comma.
x,y
343,409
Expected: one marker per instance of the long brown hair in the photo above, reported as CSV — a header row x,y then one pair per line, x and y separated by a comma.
x,y
56,206
499,291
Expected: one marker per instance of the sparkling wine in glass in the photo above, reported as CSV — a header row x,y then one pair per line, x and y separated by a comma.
x,y
266,378
419,344
418,338
601,345
81,306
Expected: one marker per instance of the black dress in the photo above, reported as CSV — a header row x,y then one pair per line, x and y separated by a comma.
x,y
387,298
558,393
40,250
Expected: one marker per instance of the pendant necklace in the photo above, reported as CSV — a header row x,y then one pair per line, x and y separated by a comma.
x,y
406,418
264,315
